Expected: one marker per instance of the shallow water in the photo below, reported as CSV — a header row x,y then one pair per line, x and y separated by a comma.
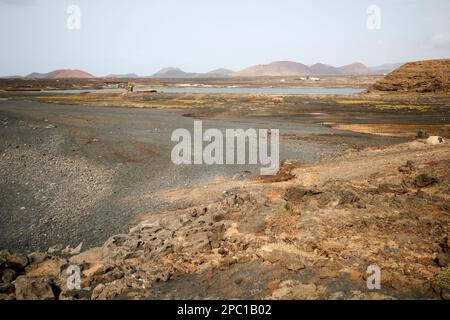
x,y
283,91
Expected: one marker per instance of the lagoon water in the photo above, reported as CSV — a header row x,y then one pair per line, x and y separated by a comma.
x,y
263,90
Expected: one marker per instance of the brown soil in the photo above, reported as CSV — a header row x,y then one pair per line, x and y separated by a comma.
x,y
419,76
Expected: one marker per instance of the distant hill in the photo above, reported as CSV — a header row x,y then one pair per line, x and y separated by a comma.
x,y
386,68
290,68
173,73
126,75
217,73
418,76
11,77
277,68
60,74
324,69
356,68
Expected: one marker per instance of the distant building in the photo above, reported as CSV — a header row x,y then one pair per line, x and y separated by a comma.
x,y
309,78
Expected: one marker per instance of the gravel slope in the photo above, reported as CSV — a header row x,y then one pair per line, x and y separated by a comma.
x,y
71,174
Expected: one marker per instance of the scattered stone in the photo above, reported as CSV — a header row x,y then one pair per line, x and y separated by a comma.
x,y
386,187
57,248
82,294
9,275
327,273
15,261
424,180
6,288
443,260
407,168
273,285
37,257
288,260
434,140
7,296
422,134
295,194
40,288
49,266
108,291
72,251
445,294
355,275
348,197
295,290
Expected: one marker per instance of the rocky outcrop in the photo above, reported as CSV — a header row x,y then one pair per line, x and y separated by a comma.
x,y
286,240
419,76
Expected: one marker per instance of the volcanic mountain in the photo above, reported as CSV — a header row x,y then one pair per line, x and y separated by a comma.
x,y
277,68
171,72
418,76
324,69
60,74
290,68
356,68
386,68
221,72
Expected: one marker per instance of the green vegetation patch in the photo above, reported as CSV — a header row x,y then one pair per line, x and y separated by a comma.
x,y
443,279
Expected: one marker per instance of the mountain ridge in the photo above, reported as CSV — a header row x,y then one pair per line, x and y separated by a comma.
x,y
291,68
275,68
61,74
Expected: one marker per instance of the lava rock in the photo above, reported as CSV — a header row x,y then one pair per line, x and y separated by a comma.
x,y
40,288
424,180
422,134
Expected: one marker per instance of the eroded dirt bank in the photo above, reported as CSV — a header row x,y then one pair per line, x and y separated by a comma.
x,y
309,235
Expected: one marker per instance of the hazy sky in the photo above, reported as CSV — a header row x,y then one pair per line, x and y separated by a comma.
x,y
118,36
